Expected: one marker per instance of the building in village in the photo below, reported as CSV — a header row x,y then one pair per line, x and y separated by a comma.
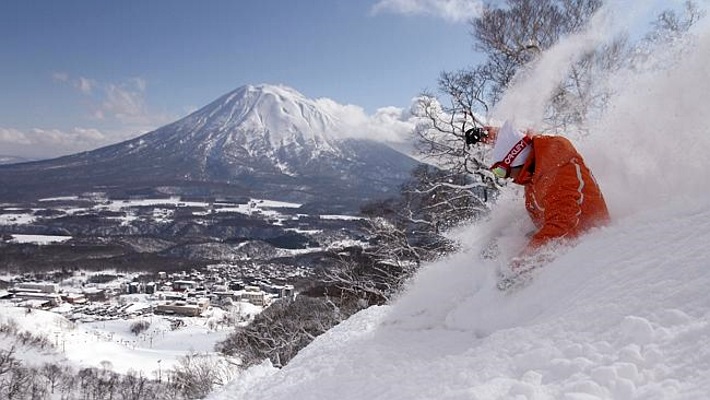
x,y
37,287
74,298
183,308
36,294
184,294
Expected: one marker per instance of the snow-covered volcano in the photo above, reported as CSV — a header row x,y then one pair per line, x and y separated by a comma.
x,y
264,116
256,130
260,140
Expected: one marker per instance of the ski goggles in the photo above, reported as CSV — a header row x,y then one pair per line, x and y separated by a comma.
x,y
500,170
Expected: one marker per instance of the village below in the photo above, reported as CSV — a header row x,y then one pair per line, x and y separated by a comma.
x,y
109,273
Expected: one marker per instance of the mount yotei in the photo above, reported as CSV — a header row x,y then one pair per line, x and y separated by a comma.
x,y
260,141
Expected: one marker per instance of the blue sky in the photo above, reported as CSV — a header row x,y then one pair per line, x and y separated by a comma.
x,y
79,74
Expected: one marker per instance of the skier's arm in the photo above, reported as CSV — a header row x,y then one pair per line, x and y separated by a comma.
x,y
562,207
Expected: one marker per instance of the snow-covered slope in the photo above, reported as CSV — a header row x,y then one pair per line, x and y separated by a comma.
x,y
625,314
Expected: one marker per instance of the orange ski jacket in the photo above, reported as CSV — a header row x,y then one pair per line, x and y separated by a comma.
x,y
561,195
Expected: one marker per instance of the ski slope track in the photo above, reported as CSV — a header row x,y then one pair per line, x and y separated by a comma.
x,y
623,314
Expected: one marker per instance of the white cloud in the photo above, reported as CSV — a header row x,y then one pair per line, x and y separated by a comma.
x,y
140,83
120,108
52,142
37,136
450,10
60,76
121,103
9,135
85,85
390,125
124,101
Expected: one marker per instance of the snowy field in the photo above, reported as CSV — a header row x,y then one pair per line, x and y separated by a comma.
x,y
625,314
267,208
39,239
92,344
17,219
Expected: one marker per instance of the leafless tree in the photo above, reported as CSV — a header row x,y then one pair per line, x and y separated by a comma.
x,y
53,374
7,360
509,36
582,95
403,233
436,199
516,33
7,364
139,327
59,381
197,375
671,24
133,386
359,279
37,388
18,385
282,330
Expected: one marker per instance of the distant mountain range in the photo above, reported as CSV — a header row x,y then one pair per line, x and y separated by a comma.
x,y
260,141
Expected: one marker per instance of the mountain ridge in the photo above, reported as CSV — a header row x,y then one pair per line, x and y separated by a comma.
x,y
263,140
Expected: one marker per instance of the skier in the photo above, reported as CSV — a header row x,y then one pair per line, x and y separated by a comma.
x,y
561,195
